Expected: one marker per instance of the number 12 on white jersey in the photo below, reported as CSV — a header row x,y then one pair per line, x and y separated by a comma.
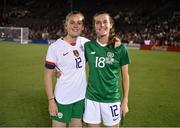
x,y
78,61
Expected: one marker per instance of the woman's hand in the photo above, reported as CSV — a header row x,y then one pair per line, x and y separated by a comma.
x,y
53,110
57,73
117,41
124,107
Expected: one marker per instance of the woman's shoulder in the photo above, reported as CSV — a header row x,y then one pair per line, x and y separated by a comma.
x,y
57,43
91,42
84,39
122,46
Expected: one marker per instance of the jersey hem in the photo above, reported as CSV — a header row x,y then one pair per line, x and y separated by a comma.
x,y
113,101
66,103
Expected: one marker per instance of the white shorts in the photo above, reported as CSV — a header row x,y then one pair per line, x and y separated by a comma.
x,y
108,112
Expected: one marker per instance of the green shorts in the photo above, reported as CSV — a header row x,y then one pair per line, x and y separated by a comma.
x,y
69,111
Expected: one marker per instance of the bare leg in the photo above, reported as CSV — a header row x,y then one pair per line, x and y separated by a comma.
x,y
94,125
58,124
75,122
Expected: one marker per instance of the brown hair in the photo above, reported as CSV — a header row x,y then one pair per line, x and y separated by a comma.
x,y
112,33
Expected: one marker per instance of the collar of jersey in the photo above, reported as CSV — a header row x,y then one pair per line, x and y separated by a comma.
x,y
103,45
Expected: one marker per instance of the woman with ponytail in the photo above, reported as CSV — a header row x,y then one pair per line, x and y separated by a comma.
x,y
66,99
104,101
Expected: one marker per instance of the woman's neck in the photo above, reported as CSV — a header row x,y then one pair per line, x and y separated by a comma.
x,y
103,39
70,39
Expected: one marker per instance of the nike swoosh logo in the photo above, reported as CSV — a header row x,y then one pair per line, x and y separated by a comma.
x,y
65,53
115,119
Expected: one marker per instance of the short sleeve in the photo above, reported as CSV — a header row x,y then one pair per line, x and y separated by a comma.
x,y
124,56
50,62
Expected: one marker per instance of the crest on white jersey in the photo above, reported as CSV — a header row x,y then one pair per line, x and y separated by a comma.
x,y
76,53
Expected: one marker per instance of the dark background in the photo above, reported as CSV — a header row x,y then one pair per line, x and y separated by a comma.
x,y
150,17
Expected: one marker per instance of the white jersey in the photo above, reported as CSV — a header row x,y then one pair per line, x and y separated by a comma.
x,y
71,86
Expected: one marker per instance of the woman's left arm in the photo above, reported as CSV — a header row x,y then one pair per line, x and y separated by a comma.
x,y
125,87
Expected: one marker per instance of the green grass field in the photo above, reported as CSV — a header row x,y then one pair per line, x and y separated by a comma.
x,y
154,87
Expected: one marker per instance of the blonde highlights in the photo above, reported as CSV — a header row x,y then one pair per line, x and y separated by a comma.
x,y
68,17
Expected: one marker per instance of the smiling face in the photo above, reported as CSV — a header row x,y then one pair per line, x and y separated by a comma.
x,y
102,24
74,25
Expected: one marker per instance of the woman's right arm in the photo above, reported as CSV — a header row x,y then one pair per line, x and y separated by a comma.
x,y
53,111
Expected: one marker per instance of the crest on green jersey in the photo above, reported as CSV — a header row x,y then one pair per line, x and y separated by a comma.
x,y
110,54
109,58
76,53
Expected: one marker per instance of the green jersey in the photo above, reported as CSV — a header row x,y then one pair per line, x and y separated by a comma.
x,y
104,67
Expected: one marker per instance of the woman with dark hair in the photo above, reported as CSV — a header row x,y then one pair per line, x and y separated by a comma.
x,y
104,101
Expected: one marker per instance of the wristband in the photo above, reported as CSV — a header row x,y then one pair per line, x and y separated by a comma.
x,y
51,98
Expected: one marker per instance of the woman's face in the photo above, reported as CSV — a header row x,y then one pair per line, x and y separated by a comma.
x,y
74,25
102,25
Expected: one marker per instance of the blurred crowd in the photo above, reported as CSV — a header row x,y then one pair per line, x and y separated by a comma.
x,y
133,24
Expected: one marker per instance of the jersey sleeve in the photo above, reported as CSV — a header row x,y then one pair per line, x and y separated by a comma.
x,y
86,45
124,56
50,62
